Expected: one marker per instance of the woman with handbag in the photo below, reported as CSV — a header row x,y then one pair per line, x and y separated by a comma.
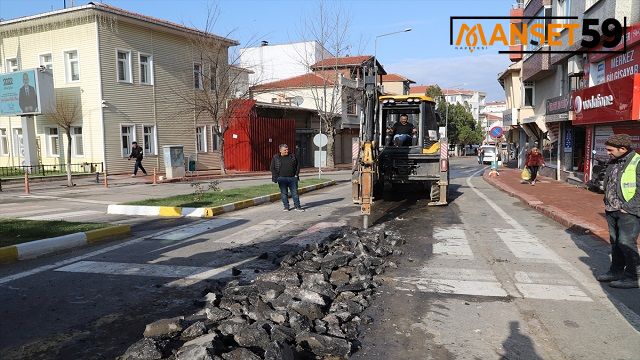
x,y
533,163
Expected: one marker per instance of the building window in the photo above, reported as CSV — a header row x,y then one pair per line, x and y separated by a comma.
x,y
215,140
124,66
201,139
77,146
18,144
146,69
564,9
213,80
127,133
528,93
12,65
149,139
351,105
46,60
72,66
4,142
53,141
197,76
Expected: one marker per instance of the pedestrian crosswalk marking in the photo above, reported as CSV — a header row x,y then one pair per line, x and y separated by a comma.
x,y
245,236
151,270
196,229
524,245
451,241
458,274
63,215
450,286
552,292
315,233
541,278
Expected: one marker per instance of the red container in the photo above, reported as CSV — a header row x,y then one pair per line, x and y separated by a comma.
x,y
251,141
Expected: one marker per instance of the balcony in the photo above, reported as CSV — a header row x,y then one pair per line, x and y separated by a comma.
x,y
537,65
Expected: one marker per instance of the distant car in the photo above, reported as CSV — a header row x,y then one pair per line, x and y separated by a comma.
x,y
489,154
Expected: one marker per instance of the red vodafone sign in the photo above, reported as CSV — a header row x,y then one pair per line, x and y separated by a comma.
x,y
612,101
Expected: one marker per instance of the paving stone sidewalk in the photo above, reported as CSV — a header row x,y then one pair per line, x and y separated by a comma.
x,y
577,208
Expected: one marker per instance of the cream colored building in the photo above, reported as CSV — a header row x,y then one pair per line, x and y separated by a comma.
x,y
394,84
127,72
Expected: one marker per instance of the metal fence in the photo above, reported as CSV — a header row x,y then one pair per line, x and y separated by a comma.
x,y
49,170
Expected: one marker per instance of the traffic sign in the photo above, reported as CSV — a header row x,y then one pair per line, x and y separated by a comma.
x,y
320,140
496,132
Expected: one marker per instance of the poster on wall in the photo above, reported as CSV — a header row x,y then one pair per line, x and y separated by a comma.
x,y
28,92
602,133
568,139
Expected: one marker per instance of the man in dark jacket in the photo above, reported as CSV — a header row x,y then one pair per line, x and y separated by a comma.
x,y
136,153
285,171
622,210
27,97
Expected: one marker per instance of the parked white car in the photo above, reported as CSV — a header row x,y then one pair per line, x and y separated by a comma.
x,y
489,153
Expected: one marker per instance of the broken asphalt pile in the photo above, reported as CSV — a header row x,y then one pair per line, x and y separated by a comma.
x,y
308,308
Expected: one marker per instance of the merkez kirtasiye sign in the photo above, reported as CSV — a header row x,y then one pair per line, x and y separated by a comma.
x,y
27,92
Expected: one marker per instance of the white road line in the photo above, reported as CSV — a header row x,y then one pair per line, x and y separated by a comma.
x,y
456,287
63,215
592,287
76,200
43,268
552,292
523,245
452,241
457,274
314,234
541,278
253,232
195,230
150,270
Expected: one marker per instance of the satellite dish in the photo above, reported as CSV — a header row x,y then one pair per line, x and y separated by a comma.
x,y
297,100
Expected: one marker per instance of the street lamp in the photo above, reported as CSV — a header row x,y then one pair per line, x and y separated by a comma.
x,y
375,51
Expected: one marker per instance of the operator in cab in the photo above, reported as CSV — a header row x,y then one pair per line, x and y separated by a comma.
x,y
402,131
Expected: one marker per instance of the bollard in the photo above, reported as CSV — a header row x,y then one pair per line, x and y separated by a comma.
x,y
106,182
26,183
154,177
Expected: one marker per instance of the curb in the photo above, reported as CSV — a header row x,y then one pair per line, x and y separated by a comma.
x,y
169,211
33,249
572,222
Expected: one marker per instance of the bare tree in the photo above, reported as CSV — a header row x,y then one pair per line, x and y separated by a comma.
x,y
218,81
329,27
67,112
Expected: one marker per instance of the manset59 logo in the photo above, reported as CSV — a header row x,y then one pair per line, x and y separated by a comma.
x,y
592,35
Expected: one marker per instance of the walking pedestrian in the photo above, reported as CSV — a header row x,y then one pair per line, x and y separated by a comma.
x,y
622,211
533,163
480,154
136,153
285,171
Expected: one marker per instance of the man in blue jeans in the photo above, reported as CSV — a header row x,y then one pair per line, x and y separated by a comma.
x,y
285,171
622,210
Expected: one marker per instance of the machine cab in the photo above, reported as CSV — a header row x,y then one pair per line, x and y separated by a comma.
x,y
419,129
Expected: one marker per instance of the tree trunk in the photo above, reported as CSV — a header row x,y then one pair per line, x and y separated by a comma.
x,y
223,170
331,163
69,179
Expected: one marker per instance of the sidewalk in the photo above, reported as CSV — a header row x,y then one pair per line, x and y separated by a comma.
x,y
578,209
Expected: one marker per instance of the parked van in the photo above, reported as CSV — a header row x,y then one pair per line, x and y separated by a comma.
x,y
489,153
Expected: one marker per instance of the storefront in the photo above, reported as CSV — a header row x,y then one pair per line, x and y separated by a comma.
x,y
609,108
563,148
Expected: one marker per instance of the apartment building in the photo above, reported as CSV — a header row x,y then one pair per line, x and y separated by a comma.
x,y
396,84
275,62
129,73
549,84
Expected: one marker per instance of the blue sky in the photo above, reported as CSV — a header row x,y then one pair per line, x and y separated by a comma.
x,y
423,55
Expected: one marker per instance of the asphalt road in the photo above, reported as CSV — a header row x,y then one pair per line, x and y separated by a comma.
x,y
489,278
482,278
